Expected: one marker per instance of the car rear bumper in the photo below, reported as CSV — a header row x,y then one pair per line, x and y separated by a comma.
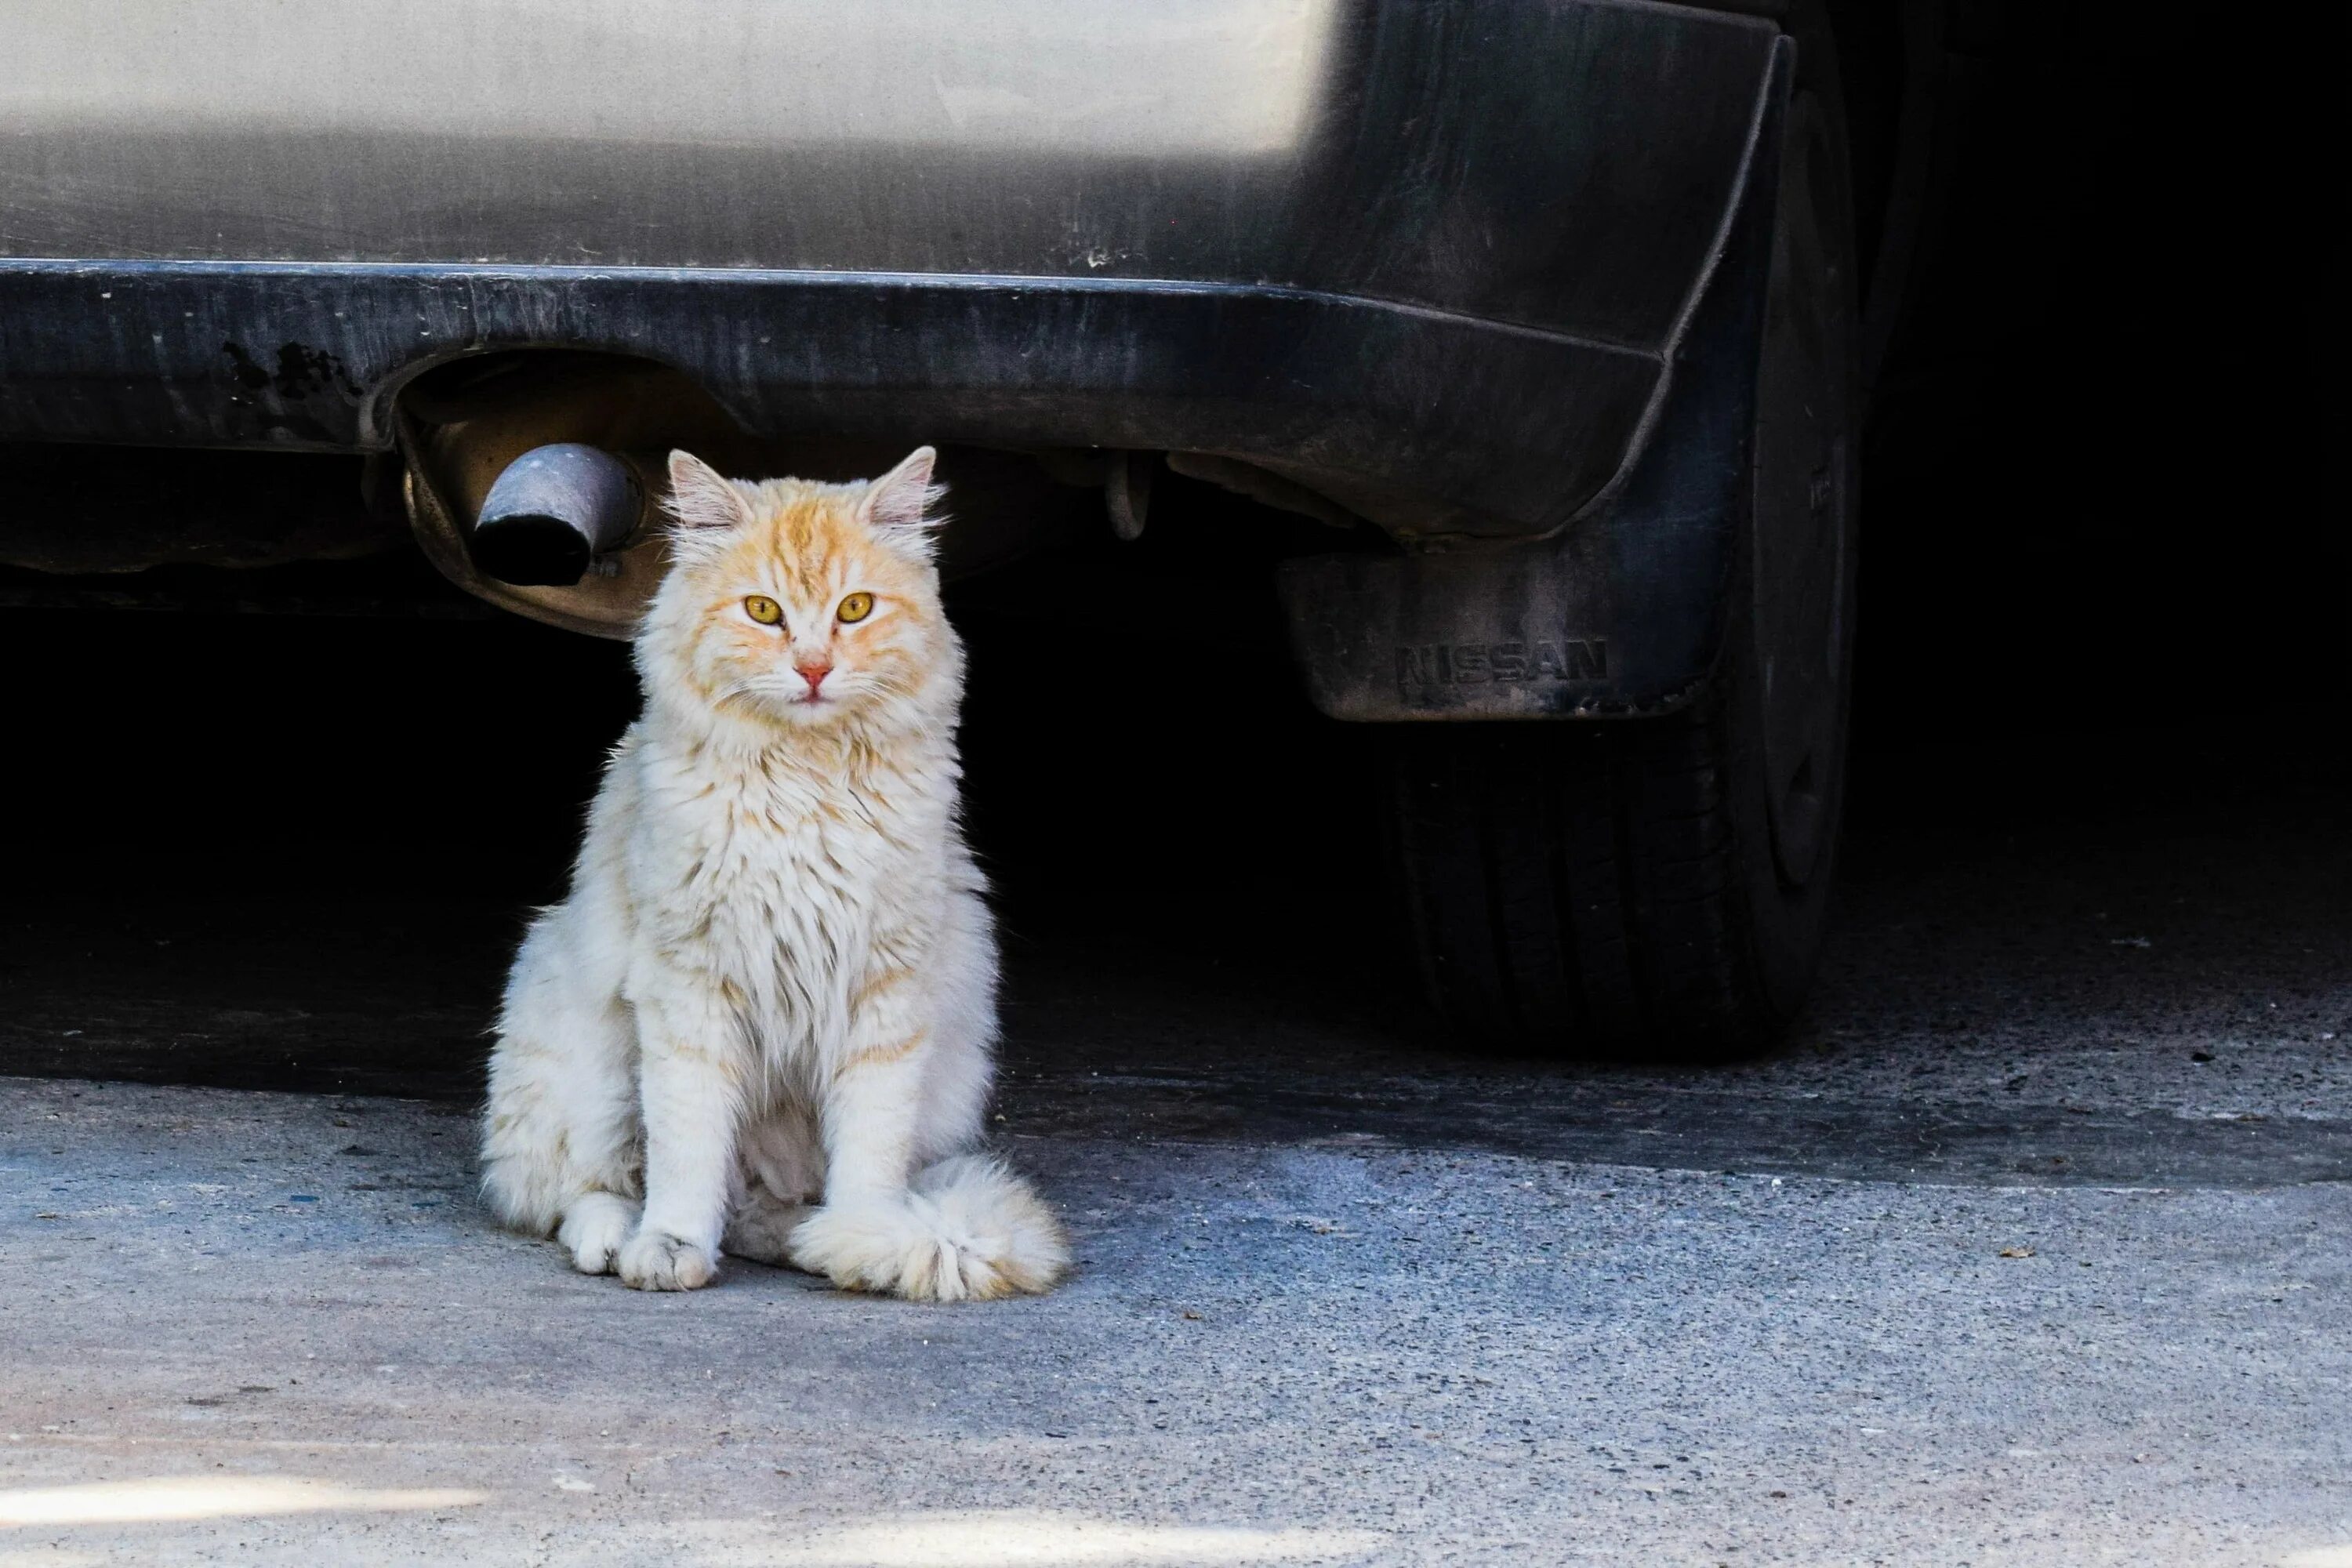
x,y
1489,421
1431,260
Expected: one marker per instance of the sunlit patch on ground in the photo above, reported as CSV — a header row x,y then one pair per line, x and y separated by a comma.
x,y
171,1498
1028,1538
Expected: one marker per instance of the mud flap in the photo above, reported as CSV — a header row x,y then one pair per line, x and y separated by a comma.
x,y
1623,610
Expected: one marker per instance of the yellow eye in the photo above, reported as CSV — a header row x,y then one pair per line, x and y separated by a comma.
x,y
855,608
763,609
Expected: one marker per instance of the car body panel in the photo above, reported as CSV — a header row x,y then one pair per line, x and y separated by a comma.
x,y
1429,259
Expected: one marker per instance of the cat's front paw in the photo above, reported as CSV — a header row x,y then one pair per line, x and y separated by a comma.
x,y
595,1229
657,1260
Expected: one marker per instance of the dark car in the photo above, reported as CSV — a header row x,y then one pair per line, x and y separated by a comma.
x,y
1549,312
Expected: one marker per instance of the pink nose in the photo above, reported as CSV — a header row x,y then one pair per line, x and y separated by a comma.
x,y
814,671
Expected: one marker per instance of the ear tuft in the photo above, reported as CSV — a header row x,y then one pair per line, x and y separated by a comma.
x,y
699,497
901,501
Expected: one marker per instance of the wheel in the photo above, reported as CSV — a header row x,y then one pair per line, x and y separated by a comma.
x,y
1657,887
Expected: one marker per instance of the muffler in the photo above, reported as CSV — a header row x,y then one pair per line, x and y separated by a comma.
x,y
531,480
553,513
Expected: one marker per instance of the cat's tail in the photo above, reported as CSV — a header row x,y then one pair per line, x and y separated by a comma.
x,y
966,1229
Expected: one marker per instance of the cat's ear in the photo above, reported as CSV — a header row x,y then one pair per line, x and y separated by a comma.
x,y
700,498
898,505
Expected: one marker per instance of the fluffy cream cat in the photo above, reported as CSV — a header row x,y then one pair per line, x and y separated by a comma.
x,y
763,1020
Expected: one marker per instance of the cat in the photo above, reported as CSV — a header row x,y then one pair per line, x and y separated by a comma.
x,y
763,1019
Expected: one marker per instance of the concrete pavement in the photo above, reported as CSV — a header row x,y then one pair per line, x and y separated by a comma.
x,y
2031,1250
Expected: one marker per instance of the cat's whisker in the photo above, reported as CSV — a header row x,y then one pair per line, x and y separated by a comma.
x,y
727,694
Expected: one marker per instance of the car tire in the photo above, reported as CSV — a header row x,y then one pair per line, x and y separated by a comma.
x,y
1657,887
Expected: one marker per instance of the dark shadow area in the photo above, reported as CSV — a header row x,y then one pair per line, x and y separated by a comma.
x,y
294,853
2095,486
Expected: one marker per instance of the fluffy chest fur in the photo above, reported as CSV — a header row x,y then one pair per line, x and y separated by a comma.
x,y
790,881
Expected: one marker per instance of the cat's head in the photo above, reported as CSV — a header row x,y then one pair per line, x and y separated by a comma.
x,y
803,605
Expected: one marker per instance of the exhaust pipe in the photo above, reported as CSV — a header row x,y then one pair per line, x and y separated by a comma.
x,y
552,511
